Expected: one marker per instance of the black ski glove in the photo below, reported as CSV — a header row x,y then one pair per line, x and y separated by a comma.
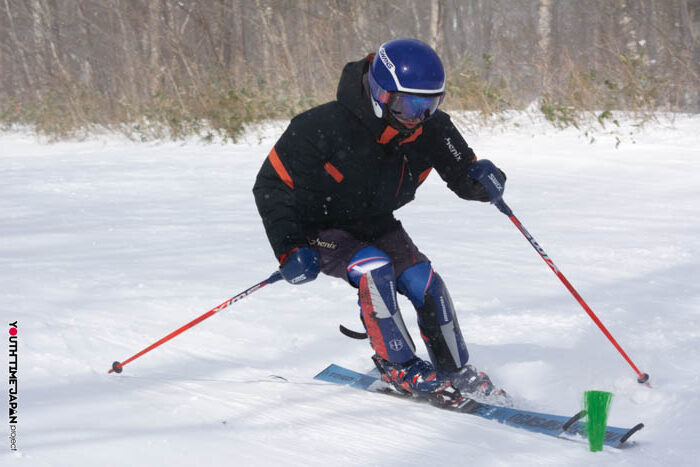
x,y
491,179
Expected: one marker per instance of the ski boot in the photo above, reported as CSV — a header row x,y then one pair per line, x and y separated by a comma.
x,y
442,335
418,378
477,385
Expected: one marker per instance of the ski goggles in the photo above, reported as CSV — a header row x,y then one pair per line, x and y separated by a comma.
x,y
413,108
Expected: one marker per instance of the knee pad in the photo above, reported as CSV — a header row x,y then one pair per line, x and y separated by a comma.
x,y
381,316
414,282
366,260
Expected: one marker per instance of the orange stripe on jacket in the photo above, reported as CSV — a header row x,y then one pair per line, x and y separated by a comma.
x,y
423,175
388,135
279,168
334,172
413,137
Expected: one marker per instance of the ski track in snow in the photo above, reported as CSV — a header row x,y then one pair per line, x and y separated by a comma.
x,y
108,245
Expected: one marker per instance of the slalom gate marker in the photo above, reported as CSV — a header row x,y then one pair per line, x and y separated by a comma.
x,y
596,404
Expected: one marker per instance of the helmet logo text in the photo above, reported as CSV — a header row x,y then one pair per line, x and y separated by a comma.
x,y
385,59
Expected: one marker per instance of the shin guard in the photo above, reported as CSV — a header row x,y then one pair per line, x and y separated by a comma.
x,y
381,316
437,319
440,330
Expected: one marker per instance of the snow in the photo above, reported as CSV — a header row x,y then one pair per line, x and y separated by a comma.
x,y
108,245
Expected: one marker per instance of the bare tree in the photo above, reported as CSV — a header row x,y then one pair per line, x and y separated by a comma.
x,y
133,58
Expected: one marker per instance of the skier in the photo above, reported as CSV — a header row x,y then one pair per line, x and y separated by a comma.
x,y
327,192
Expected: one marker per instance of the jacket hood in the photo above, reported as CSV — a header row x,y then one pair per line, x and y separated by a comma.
x,y
354,96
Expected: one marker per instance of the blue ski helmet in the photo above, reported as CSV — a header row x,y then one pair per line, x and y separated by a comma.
x,y
407,80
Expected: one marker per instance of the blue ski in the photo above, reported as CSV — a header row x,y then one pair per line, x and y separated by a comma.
x,y
552,425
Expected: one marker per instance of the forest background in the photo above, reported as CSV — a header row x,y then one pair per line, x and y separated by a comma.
x,y
176,68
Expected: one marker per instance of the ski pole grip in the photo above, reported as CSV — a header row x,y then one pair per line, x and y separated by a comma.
x,y
486,173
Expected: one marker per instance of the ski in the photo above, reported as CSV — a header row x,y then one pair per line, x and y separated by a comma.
x,y
547,424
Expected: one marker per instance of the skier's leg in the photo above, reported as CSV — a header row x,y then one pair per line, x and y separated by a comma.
x,y
436,317
440,330
372,272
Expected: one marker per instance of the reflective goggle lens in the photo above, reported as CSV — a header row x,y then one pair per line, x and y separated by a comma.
x,y
413,107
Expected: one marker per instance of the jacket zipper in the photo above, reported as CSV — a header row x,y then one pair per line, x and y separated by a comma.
x,y
403,170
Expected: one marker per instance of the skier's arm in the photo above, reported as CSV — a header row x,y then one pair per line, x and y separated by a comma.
x,y
452,159
275,192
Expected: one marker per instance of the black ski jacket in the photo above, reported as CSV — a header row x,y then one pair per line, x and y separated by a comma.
x,y
339,166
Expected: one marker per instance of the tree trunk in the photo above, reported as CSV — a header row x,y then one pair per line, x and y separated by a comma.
x,y
435,23
154,28
19,47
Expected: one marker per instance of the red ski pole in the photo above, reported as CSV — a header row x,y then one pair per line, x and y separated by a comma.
x,y
485,172
118,366
641,377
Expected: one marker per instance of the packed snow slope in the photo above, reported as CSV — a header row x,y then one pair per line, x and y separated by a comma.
x,y
106,246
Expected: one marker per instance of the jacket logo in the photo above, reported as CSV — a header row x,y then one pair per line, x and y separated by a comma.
x,y
455,153
323,244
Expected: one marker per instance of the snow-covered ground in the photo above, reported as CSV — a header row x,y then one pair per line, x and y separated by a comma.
x,y
107,245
